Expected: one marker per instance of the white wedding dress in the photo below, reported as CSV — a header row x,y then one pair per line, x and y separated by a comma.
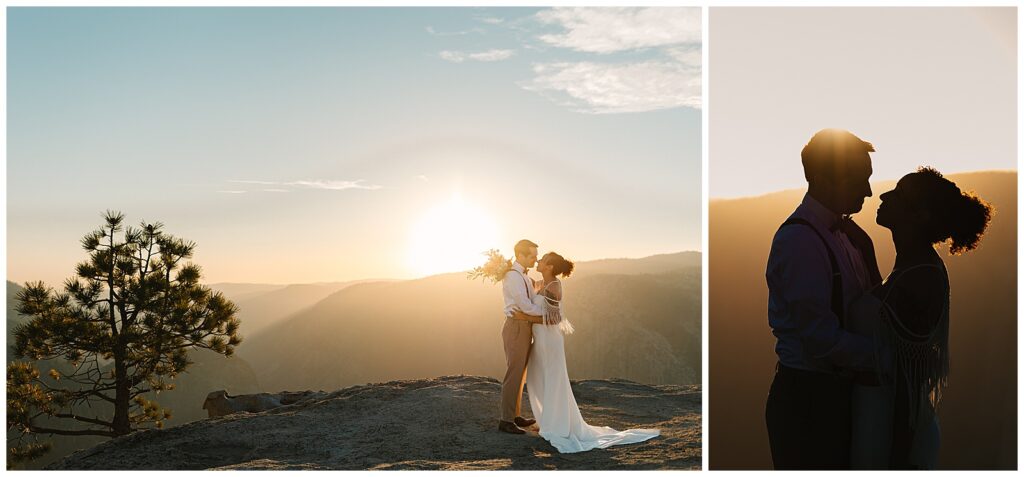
x,y
551,398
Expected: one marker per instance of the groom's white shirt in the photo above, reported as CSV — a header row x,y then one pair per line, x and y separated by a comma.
x,y
517,289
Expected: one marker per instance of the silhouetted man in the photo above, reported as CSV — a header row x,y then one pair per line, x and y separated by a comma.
x,y
819,262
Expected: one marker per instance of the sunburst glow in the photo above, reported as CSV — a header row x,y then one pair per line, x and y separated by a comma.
x,y
451,237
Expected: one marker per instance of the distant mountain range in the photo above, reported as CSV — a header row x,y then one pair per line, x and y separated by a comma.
x,y
260,305
979,410
636,319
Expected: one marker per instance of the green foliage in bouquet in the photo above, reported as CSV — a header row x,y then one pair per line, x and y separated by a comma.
x,y
494,269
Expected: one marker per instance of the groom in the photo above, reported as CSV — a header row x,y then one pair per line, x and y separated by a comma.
x,y
517,335
819,262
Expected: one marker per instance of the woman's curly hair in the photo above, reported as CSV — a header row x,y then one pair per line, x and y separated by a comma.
x,y
958,217
560,266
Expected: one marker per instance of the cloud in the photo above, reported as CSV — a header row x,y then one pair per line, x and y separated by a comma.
x,y
620,60
423,178
670,78
308,184
434,32
489,55
333,185
252,182
600,88
231,191
690,57
608,30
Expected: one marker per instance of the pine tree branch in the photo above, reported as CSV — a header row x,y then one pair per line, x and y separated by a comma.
x,y
68,432
80,382
137,392
79,395
90,376
99,394
85,419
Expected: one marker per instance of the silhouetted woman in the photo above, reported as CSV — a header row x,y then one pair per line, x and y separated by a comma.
x,y
894,420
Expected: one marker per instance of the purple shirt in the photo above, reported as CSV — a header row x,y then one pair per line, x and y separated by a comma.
x,y
799,280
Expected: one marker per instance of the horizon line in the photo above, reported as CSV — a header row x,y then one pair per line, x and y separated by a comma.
x,y
779,191
443,273
208,283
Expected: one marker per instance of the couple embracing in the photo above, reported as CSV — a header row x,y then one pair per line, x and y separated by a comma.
x,y
862,361
535,356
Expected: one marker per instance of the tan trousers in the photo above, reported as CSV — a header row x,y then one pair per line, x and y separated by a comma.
x,y
517,336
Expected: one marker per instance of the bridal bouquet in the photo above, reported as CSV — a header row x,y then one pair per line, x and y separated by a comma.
x,y
494,269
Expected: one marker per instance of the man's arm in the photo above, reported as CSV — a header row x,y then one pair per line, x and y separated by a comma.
x,y
799,272
518,315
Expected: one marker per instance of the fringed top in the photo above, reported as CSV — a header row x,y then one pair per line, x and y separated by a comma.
x,y
921,359
553,309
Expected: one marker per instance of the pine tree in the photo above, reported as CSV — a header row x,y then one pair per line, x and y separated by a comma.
x,y
123,324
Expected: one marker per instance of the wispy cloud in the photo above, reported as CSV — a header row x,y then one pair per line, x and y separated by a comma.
x,y
423,178
434,32
231,191
252,182
618,88
608,30
333,185
489,55
492,20
306,184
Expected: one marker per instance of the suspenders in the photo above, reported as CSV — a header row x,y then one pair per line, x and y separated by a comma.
x,y
528,285
837,278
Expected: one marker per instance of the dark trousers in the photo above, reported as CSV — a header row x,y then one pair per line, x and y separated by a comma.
x,y
808,417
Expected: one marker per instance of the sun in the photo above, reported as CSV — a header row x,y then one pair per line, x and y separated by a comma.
x,y
451,237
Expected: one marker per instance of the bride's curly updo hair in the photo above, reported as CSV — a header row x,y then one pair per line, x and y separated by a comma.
x,y
956,216
560,266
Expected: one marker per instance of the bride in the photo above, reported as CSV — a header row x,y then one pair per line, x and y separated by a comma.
x,y
547,379
894,409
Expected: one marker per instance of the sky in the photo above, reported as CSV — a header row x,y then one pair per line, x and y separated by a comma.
x,y
926,86
299,145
